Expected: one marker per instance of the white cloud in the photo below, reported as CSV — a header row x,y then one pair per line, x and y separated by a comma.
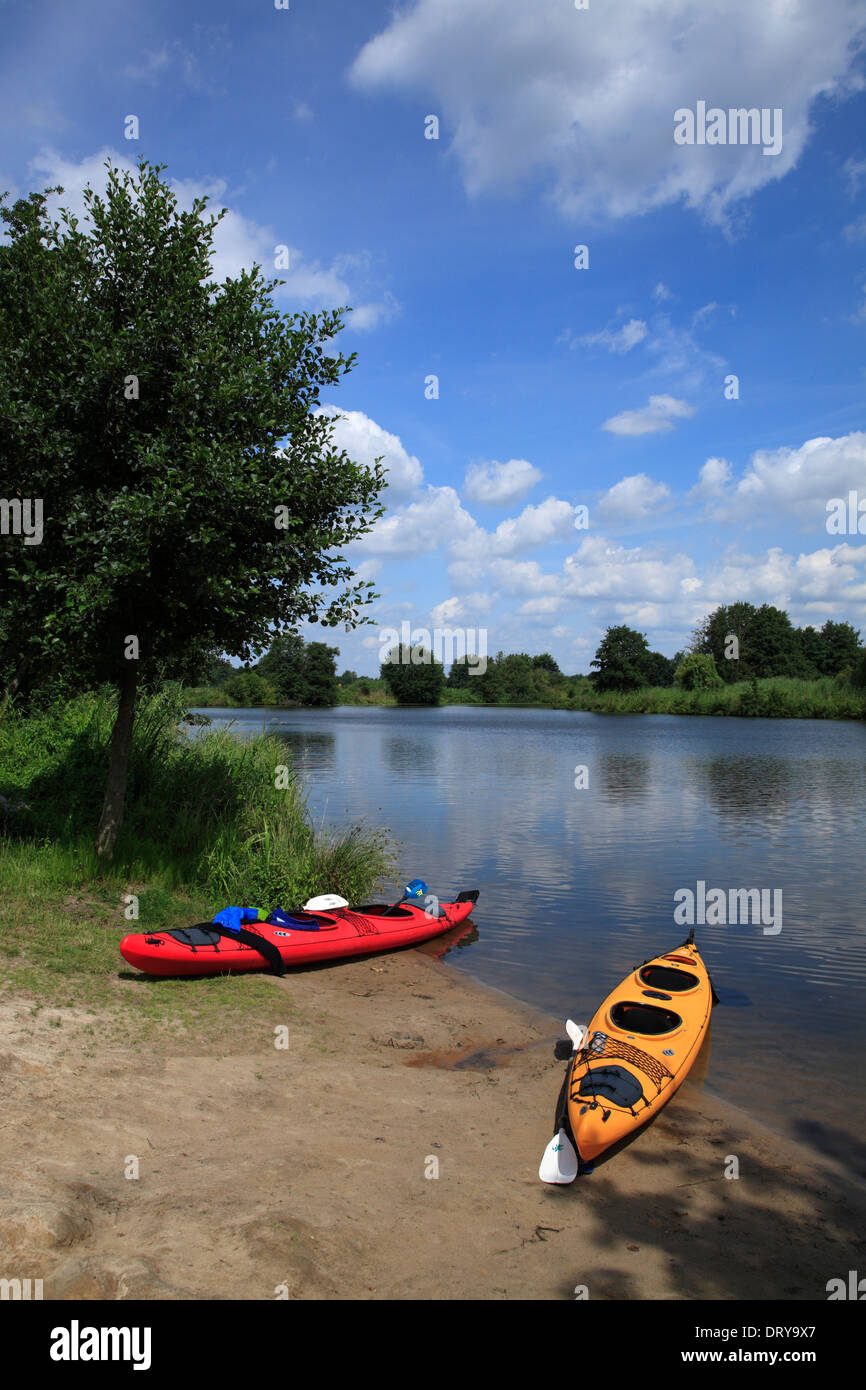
x,y
586,99
365,441
794,482
500,484
368,316
633,499
620,341
829,581
715,475
601,569
468,607
551,520
436,518
523,577
655,417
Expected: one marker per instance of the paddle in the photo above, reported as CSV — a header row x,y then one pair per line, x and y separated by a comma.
x,y
416,889
559,1160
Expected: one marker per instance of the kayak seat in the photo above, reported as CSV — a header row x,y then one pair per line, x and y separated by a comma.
x,y
648,1019
614,1084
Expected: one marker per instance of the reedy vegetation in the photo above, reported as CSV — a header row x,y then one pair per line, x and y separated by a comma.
x,y
203,808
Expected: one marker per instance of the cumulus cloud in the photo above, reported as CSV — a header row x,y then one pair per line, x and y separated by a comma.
x,y
714,477
365,441
793,482
500,484
436,518
585,100
633,499
828,581
599,568
523,577
656,417
551,520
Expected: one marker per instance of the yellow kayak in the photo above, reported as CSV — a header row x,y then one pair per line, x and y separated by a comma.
x,y
638,1049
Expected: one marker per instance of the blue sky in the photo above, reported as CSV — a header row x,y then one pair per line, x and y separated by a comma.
x,y
558,387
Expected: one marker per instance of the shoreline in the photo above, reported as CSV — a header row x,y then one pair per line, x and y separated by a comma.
x,y
304,1169
850,716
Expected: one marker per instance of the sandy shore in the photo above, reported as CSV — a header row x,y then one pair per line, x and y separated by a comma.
x,y
304,1168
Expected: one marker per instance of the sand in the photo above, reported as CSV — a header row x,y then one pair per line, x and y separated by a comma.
x,y
306,1171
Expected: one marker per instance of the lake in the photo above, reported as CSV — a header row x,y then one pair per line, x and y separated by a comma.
x,y
578,883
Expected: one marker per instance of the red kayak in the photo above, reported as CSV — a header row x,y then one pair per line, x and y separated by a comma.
x,y
208,949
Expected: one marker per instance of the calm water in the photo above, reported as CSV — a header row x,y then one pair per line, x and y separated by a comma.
x,y
577,886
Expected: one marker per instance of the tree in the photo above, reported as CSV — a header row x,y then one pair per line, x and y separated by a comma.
x,y
194,501
460,676
249,688
767,642
545,662
697,671
283,666
840,648
812,648
348,678
713,638
621,659
774,647
516,673
658,669
320,674
413,676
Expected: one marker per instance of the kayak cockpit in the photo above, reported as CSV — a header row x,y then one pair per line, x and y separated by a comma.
x,y
663,977
648,1020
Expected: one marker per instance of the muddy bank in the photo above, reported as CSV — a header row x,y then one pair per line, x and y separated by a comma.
x,y
308,1168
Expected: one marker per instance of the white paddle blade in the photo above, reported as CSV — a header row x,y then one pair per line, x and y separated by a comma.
x,y
576,1031
559,1161
328,902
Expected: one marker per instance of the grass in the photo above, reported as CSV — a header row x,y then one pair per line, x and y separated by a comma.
x,y
777,698
210,820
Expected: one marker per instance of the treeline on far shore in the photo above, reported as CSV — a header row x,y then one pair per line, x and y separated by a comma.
x,y
742,661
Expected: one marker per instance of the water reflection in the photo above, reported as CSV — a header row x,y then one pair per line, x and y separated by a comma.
x,y
310,752
410,756
624,777
577,885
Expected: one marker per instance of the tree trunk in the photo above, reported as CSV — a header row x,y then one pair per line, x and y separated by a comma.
x,y
115,787
13,686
